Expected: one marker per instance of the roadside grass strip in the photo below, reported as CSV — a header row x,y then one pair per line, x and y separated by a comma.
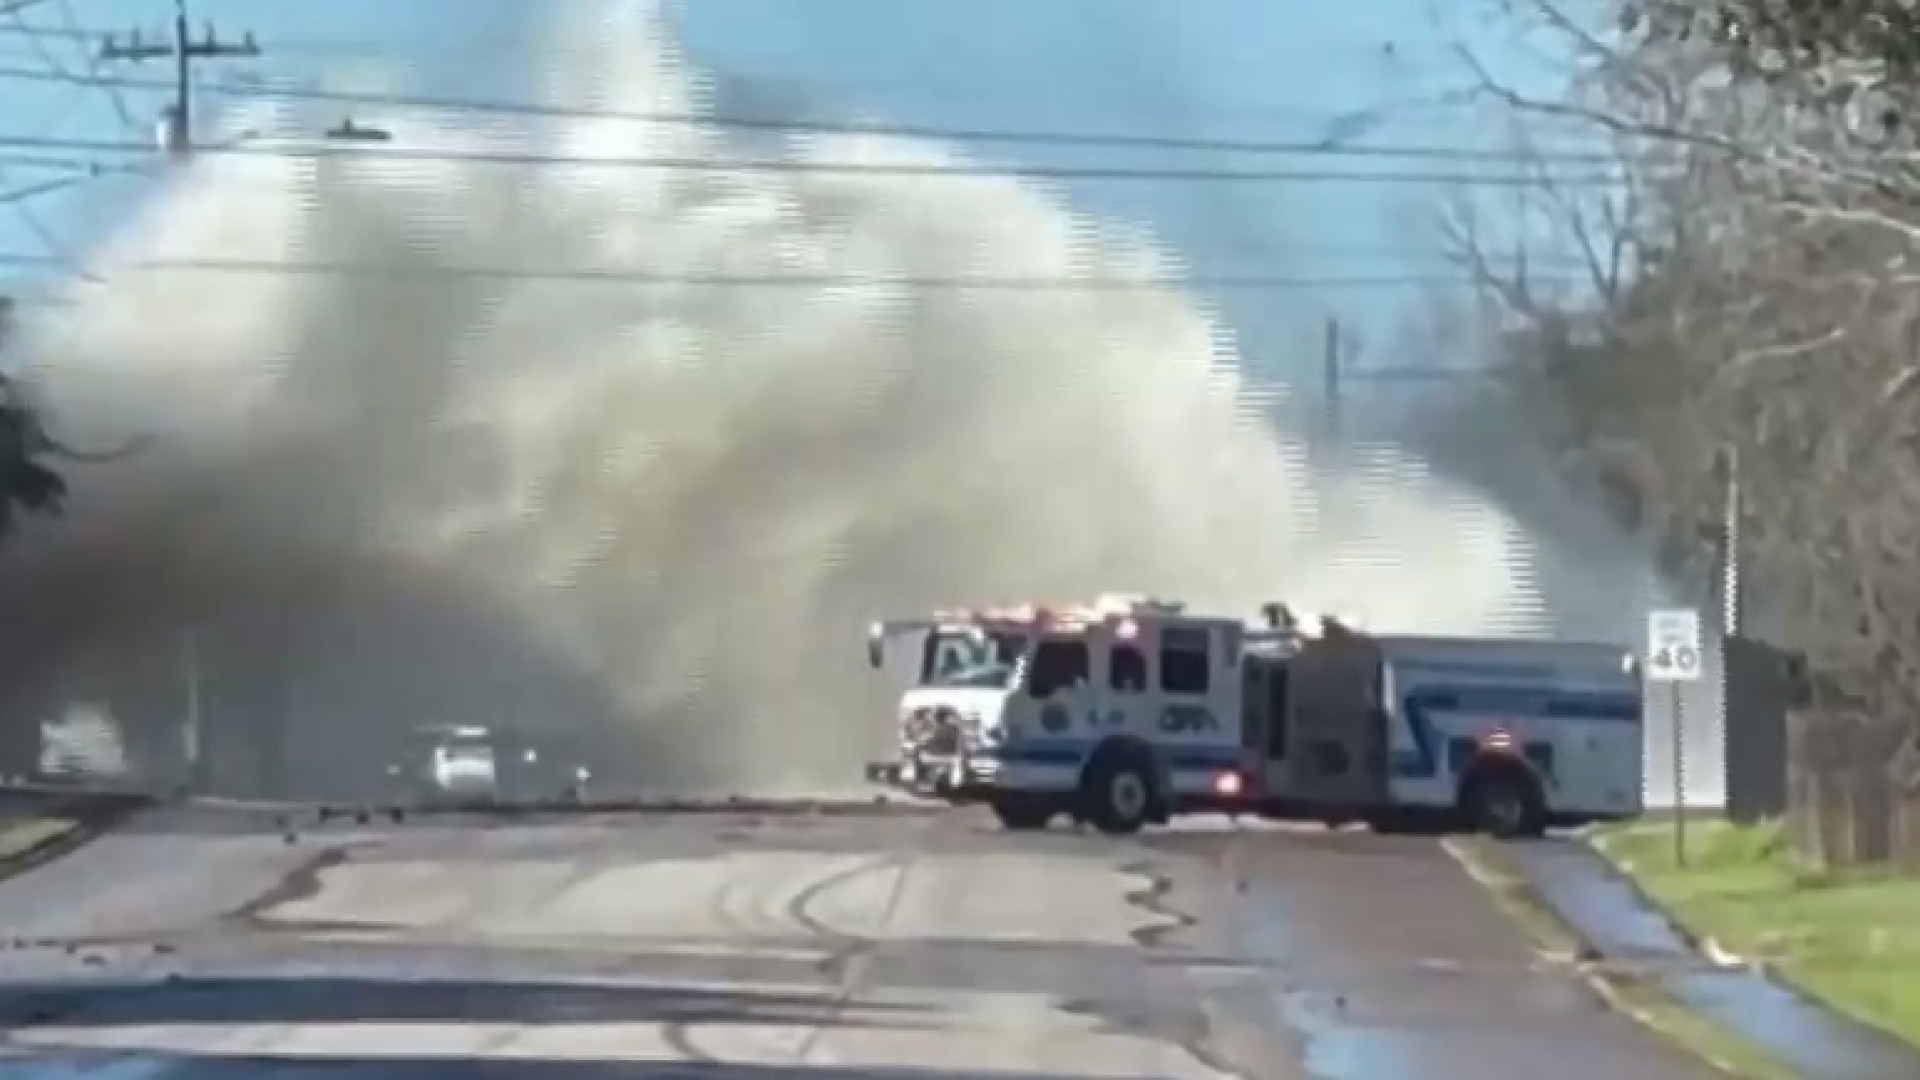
x,y
1620,990
1849,938
23,838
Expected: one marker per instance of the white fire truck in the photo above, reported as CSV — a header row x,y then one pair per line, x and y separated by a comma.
x,y
1126,711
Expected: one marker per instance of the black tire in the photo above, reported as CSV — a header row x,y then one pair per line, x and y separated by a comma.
x,y
1506,804
1117,792
1018,814
1405,823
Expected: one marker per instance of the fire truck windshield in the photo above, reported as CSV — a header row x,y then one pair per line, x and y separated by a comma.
x,y
972,658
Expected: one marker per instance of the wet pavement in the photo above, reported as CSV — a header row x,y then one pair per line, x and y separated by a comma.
x,y
1391,964
1608,912
192,945
201,945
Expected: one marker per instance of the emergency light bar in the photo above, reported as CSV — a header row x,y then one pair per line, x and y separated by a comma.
x,y
1064,616
1111,604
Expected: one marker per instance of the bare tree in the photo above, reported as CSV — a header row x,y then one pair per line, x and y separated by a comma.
x,y
1751,292
25,481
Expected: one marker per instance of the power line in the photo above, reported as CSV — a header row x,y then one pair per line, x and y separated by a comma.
x,y
41,161
1061,139
73,32
393,50
44,187
958,283
17,23
115,95
20,198
788,165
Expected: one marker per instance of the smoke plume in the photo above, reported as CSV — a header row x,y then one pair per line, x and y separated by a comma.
x,y
606,493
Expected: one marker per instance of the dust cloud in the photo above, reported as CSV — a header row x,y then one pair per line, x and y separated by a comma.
x,y
651,510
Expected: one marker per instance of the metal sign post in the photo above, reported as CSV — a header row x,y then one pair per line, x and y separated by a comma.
x,y
1673,658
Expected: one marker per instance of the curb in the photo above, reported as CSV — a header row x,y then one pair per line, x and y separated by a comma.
x,y
1596,847
569,808
1704,946
1560,943
89,818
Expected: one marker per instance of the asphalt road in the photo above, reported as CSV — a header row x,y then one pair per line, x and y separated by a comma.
x,y
213,944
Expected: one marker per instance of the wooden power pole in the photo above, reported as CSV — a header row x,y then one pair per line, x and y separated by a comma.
x,y
176,133
1333,358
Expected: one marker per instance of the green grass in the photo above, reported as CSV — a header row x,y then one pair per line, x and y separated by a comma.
x,y
1850,938
20,837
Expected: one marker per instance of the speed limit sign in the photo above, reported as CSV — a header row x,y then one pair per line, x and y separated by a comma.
x,y
1673,645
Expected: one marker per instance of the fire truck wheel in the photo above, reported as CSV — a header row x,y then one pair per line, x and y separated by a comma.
x,y
1504,802
1116,791
1023,814
1402,822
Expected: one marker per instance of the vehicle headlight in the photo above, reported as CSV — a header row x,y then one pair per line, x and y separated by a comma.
x,y
582,773
532,756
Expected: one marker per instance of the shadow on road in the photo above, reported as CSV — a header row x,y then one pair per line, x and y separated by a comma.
x,y
294,1001
265,1067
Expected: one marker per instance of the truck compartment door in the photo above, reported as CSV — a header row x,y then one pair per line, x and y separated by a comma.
x,y
1264,723
1255,719
1336,731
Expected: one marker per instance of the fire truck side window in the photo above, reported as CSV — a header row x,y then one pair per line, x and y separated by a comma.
x,y
1185,663
1058,665
1127,669
952,655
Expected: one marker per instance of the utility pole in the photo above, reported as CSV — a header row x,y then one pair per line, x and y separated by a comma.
x,y
176,132
1731,608
1332,359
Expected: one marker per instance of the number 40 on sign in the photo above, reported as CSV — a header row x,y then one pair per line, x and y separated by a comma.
x,y
1673,645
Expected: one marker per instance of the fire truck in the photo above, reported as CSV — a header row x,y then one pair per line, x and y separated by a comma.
x,y
1126,711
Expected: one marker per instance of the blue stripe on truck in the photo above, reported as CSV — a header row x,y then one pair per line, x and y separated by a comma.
x,y
1422,762
1516,701
1074,751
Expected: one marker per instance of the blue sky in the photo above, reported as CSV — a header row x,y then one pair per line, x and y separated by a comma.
x,y
1257,69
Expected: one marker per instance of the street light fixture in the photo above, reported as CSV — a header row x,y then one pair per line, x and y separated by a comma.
x,y
348,131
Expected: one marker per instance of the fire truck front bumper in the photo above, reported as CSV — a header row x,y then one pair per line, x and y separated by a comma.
x,y
955,777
